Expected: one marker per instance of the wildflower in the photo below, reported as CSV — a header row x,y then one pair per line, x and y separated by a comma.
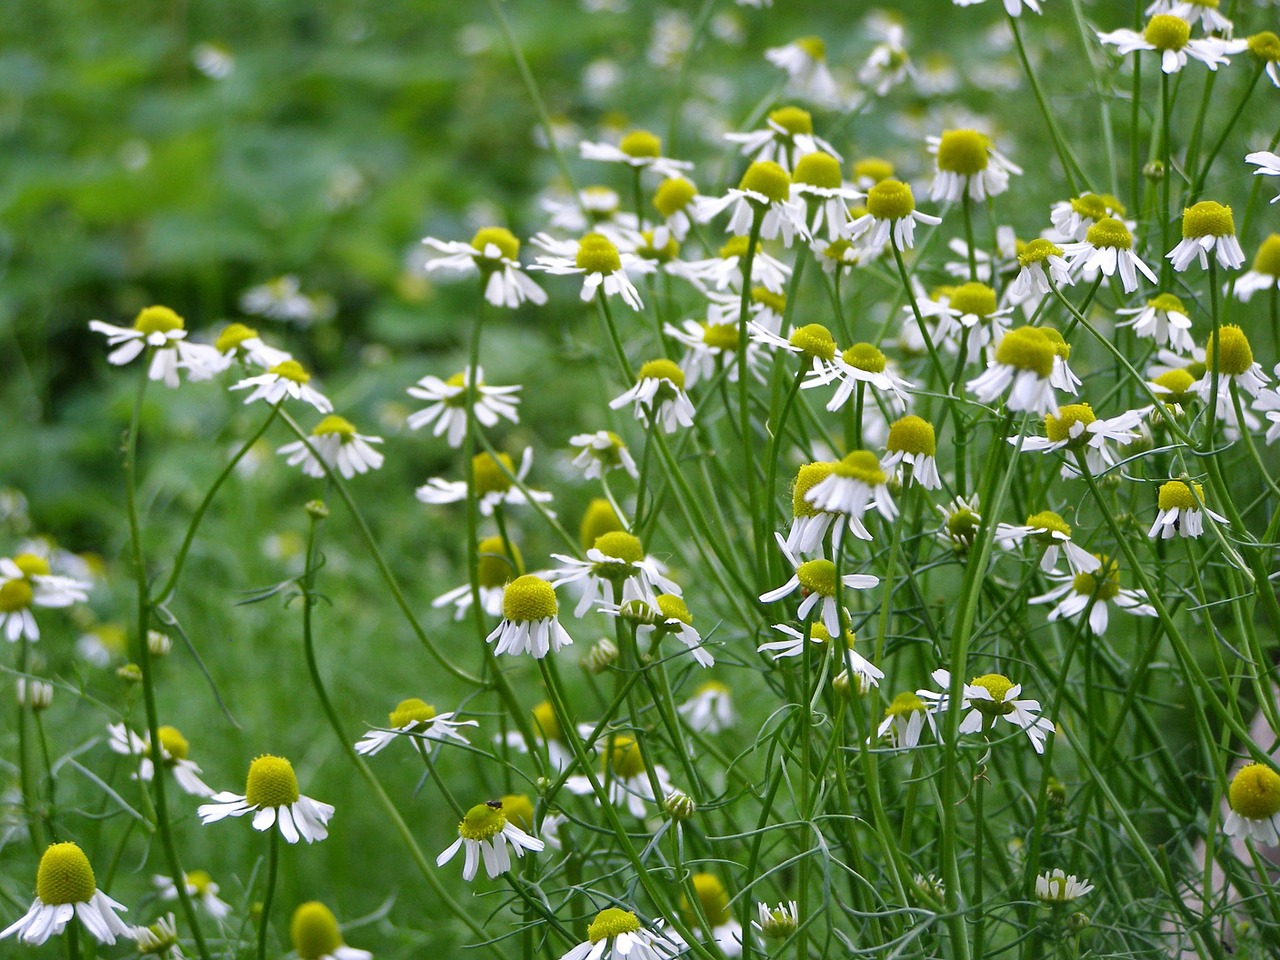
x,y
968,319
1265,274
418,719
713,898
1012,7
493,254
1181,512
1108,246
486,830
1268,165
1171,36
27,581
1228,349
448,409
709,345
1265,47
1048,530
967,162
816,579
856,482
240,342
1165,320
912,442
35,694
601,452
287,379
1075,592
1207,226
598,260
529,623
616,560
904,721
989,698
960,521
159,939
638,149
777,923
809,525
199,885
617,934
675,200
1056,887
1076,428
725,271
627,776
213,60
1024,359
281,298
271,795
315,934
66,888
1031,281
1073,218
805,61
817,177
786,137
493,484
868,674
764,191
659,396
335,444
164,331
891,213
173,754
812,341
596,206
888,65
497,561
1254,796
666,614
710,709
862,363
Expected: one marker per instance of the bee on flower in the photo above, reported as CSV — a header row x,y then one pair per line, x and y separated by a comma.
x,y
1170,36
658,396
448,400
989,699
164,332
494,255
1207,227
1075,593
418,720
271,795
486,832
1165,320
27,581
604,269
1048,530
1181,511
786,137
638,149
967,162
334,444
816,580
493,483
66,889
173,756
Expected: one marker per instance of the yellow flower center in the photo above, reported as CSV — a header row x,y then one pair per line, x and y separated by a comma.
x,y
200,881
502,238
64,876
865,356
963,152
736,247
31,565
890,200
1254,793
1267,259
912,435
712,688
1235,356
599,518
493,565
411,711
334,425
484,821
962,527
1057,427
721,336
611,922
713,897
545,722
817,576
518,809
1038,250
904,704
1110,232
290,370
529,599
1027,348
1091,206
793,120
673,194
625,759
1207,219
1050,523
315,931
777,302
815,47
173,743
861,465
1177,495
489,474
814,340
818,170
975,298
1265,46
998,685
674,608
1177,383
641,143
157,320
15,595
662,369
1167,303
597,254
232,336
767,179
618,545
809,476
872,168
663,254
1167,32
271,783
1104,583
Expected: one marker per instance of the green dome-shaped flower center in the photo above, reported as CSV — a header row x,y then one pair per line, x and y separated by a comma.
x,y
809,476
673,194
814,340
963,152
1167,32
663,254
493,565
1091,206
529,599
817,576
865,356
518,809
622,546
290,370
502,238
173,743
1177,495
905,704
1037,251
31,565
815,47
793,120
874,169
157,320
625,759
232,336
610,922
545,722
962,526
777,302
662,369
767,179
974,298
1104,583
411,711
64,876
1235,356
1109,232
890,200
200,881
1027,348
334,425
1267,259
1177,383
599,518
736,247
818,170
597,254
1167,303
1207,219
1060,346
861,465
315,931
721,336
641,144
713,897
1049,522
1254,793
15,595
1057,427
913,435
998,685
674,608
489,474
271,782
1265,46
484,821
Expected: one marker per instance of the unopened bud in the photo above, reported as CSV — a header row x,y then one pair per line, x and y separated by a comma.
x,y
679,805
317,510
130,673
36,694
158,643
601,656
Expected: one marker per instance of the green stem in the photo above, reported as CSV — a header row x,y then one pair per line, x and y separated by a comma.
x,y
744,382
273,865
1070,166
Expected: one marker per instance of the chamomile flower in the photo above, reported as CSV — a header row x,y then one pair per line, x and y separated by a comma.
x,y
812,341
713,898
1108,246
1165,320
529,619
816,579
967,320
1074,593
764,191
162,330
675,200
868,171
805,61
1077,429
960,522
912,443
597,208
809,525
1207,227
665,615
1013,7
417,719
891,215
1032,283
1268,165
66,888
316,936
857,482
285,380
616,565
492,481
240,342
776,923
1022,366
486,832
658,396
888,64
1048,530
200,886
628,779
708,346
904,720
27,581
817,180
1265,274
1170,36
1180,512
1057,887
271,795
868,674
281,298
334,443
448,410
160,939
863,364
493,254
1254,796
710,708
1228,348
992,697
173,756
497,561
1072,218
639,149
617,934
786,137
597,259
966,162
1265,47
725,271
601,452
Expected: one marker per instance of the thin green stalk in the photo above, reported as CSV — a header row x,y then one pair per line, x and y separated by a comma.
x,y
1203,173
1070,166
744,382
34,828
273,864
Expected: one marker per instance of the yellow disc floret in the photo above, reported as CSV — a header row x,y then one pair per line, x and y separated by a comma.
x,y
506,242
913,435
1027,348
975,298
491,476
15,595
610,922
484,821
861,465
768,179
1104,583
905,704
713,897
793,120
641,144
64,876
1207,219
890,200
1267,259
874,169
808,477
735,247
290,370
1167,32
673,194
545,722
157,320
1265,46
1059,427
674,608
817,576
1176,495
1037,251
1049,523
173,743
31,565
314,930
662,369
334,425
1232,349
814,340
271,783
721,336
529,599
963,152
1177,385
815,47
1109,232
998,685
518,809
411,712
597,254
493,565
618,545
865,356
232,336
1254,793
625,759
599,518
818,170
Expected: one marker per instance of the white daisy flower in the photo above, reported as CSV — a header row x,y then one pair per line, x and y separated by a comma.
x,y
805,61
1013,7
1165,320
1108,246
1074,593
529,619
494,567
1032,283
888,64
173,755
640,149
616,568
675,200
1268,165
709,345
967,320
809,525
817,179
417,719
200,886
271,795
597,259
240,342
596,208
26,581
1265,47
158,940
1048,530
710,709
287,379
765,189
1171,37
486,831
1077,429
1234,360
912,443
1265,274
658,396
904,720
868,674
493,484
862,364
725,271
891,215
990,698
713,898
316,936
816,579
1023,365
1207,227
1057,887
617,934
338,446
665,615
627,776
448,400
1072,218
493,253
1180,512
66,888
164,332
786,137
601,452
776,923
856,482
282,299
965,161
1254,796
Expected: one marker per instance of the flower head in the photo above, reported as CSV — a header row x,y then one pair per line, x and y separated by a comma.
x,y
1207,227
335,444
66,888
617,934
417,719
271,795
1094,591
658,396
529,619
966,161
494,254
448,410
1056,887
1254,795
486,831
316,936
